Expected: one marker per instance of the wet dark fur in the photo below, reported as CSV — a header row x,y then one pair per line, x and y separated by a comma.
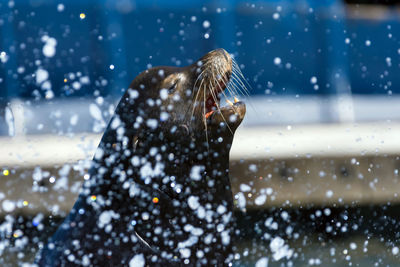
x,y
183,157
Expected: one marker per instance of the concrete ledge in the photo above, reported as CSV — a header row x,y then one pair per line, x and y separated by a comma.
x,y
318,140
298,141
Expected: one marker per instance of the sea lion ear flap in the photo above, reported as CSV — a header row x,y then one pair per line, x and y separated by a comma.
x,y
183,129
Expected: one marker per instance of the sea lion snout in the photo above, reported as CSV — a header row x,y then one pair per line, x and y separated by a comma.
x,y
220,53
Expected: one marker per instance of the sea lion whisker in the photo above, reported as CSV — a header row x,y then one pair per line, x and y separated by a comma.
x,y
198,88
195,99
219,109
198,77
223,116
244,94
239,72
232,88
214,84
237,79
226,85
232,92
223,82
205,119
238,87
202,87
213,95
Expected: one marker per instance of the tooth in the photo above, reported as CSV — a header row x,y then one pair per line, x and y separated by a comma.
x,y
229,102
236,99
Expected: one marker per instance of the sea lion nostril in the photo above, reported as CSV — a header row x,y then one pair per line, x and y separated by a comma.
x,y
226,55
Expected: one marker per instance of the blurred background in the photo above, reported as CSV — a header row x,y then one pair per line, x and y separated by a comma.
x,y
314,166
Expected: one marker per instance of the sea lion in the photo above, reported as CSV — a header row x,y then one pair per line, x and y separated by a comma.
x,y
159,192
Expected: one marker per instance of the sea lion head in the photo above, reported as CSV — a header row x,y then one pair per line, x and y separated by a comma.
x,y
187,99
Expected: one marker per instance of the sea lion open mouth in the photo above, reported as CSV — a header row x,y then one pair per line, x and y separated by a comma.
x,y
215,77
213,99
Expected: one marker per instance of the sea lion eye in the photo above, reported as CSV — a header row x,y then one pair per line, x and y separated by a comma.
x,y
173,86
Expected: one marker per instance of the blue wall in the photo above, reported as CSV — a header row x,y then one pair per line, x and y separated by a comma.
x,y
309,38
